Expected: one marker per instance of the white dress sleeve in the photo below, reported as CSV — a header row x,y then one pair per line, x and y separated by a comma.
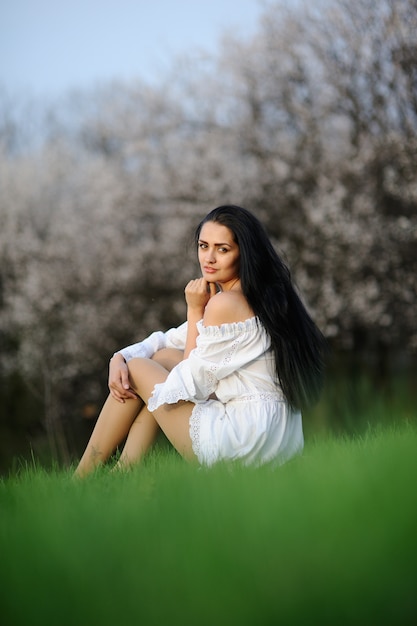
x,y
220,351
172,338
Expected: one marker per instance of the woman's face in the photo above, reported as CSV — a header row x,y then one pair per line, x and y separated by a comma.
x,y
218,255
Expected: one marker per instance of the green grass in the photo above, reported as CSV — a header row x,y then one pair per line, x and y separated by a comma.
x,y
329,538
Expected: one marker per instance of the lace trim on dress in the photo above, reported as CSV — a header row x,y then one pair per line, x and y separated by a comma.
x,y
229,354
168,397
195,430
265,396
211,375
211,372
173,389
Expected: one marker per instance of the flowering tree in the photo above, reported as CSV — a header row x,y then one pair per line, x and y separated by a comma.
x,y
312,124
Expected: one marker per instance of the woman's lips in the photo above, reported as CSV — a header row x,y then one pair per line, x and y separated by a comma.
x,y
209,270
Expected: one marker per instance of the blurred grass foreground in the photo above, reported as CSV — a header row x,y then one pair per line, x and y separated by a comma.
x,y
329,538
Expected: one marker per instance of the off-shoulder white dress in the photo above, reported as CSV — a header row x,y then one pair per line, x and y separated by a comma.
x,y
239,413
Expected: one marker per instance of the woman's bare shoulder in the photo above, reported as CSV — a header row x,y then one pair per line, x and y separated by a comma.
x,y
227,307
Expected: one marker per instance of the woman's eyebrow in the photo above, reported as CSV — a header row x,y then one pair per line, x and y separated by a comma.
x,y
216,244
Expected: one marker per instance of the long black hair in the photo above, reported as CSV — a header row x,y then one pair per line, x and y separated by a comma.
x,y
297,343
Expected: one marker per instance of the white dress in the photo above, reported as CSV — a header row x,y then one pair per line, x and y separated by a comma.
x,y
240,413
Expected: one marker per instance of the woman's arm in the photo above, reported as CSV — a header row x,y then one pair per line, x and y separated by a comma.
x,y
197,294
119,384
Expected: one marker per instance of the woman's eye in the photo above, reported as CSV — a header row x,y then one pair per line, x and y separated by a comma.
x,y
222,249
202,245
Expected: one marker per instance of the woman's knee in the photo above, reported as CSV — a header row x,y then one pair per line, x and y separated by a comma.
x,y
168,357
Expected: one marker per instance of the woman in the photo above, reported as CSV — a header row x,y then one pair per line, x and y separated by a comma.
x,y
229,383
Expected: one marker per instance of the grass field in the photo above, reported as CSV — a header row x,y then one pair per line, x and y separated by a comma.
x,y
329,538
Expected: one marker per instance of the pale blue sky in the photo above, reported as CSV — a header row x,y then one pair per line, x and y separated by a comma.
x,y
50,46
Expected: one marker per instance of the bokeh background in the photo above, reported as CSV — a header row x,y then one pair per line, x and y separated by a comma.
x,y
122,123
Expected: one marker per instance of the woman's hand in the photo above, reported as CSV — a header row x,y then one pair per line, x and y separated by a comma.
x,y
197,293
119,384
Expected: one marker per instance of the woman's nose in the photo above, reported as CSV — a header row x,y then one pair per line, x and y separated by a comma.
x,y
210,256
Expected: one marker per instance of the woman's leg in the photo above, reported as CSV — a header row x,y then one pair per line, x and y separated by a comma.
x,y
112,426
173,419
142,435
168,357
145,428
131,419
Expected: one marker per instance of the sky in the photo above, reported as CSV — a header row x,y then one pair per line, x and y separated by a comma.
x,y
48,47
